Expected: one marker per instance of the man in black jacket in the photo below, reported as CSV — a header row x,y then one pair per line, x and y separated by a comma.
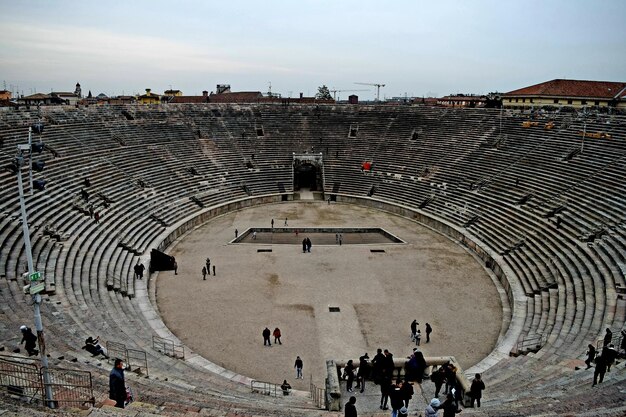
x,y
350,408
117,386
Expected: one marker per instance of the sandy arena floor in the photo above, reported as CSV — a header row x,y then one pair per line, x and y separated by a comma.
x,y
429,278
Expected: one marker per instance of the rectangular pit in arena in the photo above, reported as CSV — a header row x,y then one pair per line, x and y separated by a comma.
x,y
318,236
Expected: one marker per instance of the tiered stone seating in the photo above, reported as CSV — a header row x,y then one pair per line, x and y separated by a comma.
x,y
478,171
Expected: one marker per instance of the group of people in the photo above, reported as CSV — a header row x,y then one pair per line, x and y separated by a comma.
x,y
206,269
139,268
266,336
306,245
416,334
606,358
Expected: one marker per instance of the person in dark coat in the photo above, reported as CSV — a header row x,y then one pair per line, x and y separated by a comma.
x,y
389,365
414,325
407,392
304,245
29,340
591,355
449,406
378,364
350,408
437,378
266,337
117,386
600,370
609,354
429,330
395,397
349,374
93,346
608,337
363,373
385,389
476,390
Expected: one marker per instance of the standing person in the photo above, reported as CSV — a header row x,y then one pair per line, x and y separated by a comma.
x,y
298,365
308,245
272,223
414,325
476,390
340,239
407,392
418,338
363,372
608,337
285,222
389,365
622,346
395,397
139,268
429,330
29,340
213,269
609,354
437,378
591,355
254,235
204,273
377,365
208,265
236,233
449,406
96,217
337,238
450,377
117,387
600,370
349,374
350,408
385,388
266,337
175,267
277,335
304,245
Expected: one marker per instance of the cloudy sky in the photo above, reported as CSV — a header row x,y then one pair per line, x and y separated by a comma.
x,y
418,48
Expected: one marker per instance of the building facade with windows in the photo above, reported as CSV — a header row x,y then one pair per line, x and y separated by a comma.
x,y
570,93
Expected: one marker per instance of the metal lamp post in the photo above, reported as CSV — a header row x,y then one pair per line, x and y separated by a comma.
x,y
37,283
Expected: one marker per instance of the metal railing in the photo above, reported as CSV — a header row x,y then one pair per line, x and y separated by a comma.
x,y
530,344
318,395
135,359
265,388
24,379
168,347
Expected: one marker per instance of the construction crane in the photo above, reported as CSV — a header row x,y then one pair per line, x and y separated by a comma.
x,y
343,91
377,88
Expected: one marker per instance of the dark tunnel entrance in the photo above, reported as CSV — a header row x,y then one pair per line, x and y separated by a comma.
x,y
305,176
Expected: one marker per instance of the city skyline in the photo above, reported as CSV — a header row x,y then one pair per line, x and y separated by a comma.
x,y
414,48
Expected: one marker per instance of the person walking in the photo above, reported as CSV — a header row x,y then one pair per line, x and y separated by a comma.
x,y
175,267
236,233
608,337
277,335
599,371
204,273
298,365
414,325
350,408
214,270
349,374
385,388
266,337
476,390
429,330
285,222
117,386
29,340
591,355
438,378
272,223
363,372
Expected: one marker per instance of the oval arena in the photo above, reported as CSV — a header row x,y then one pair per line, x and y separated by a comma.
x,y
512,245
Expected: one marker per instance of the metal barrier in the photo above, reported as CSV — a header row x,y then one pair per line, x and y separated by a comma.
x,y
530,344
318,395
265,388
24,379
168,347
138,360
135,359
117,350
20,378
71,387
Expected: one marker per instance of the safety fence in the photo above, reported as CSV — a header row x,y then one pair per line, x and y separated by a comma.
x,y
168,347
24,379
530,344
135,359
318,395
265,388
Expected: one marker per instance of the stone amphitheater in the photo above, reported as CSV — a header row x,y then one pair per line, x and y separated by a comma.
x,y
540,209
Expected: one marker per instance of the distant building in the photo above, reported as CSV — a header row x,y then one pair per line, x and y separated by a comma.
x,y
149,98
462,100
121,100
224,95
40,99
204,98
572,93
353,99
173,93
5,95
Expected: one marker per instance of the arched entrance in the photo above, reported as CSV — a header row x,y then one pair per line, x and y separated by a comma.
x,y
305,176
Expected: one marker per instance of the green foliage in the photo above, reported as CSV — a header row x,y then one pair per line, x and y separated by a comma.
x,y
323,93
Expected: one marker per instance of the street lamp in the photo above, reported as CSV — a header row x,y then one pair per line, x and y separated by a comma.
x,y
37,282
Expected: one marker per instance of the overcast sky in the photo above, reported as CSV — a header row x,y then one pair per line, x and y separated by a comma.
x,y
419,48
